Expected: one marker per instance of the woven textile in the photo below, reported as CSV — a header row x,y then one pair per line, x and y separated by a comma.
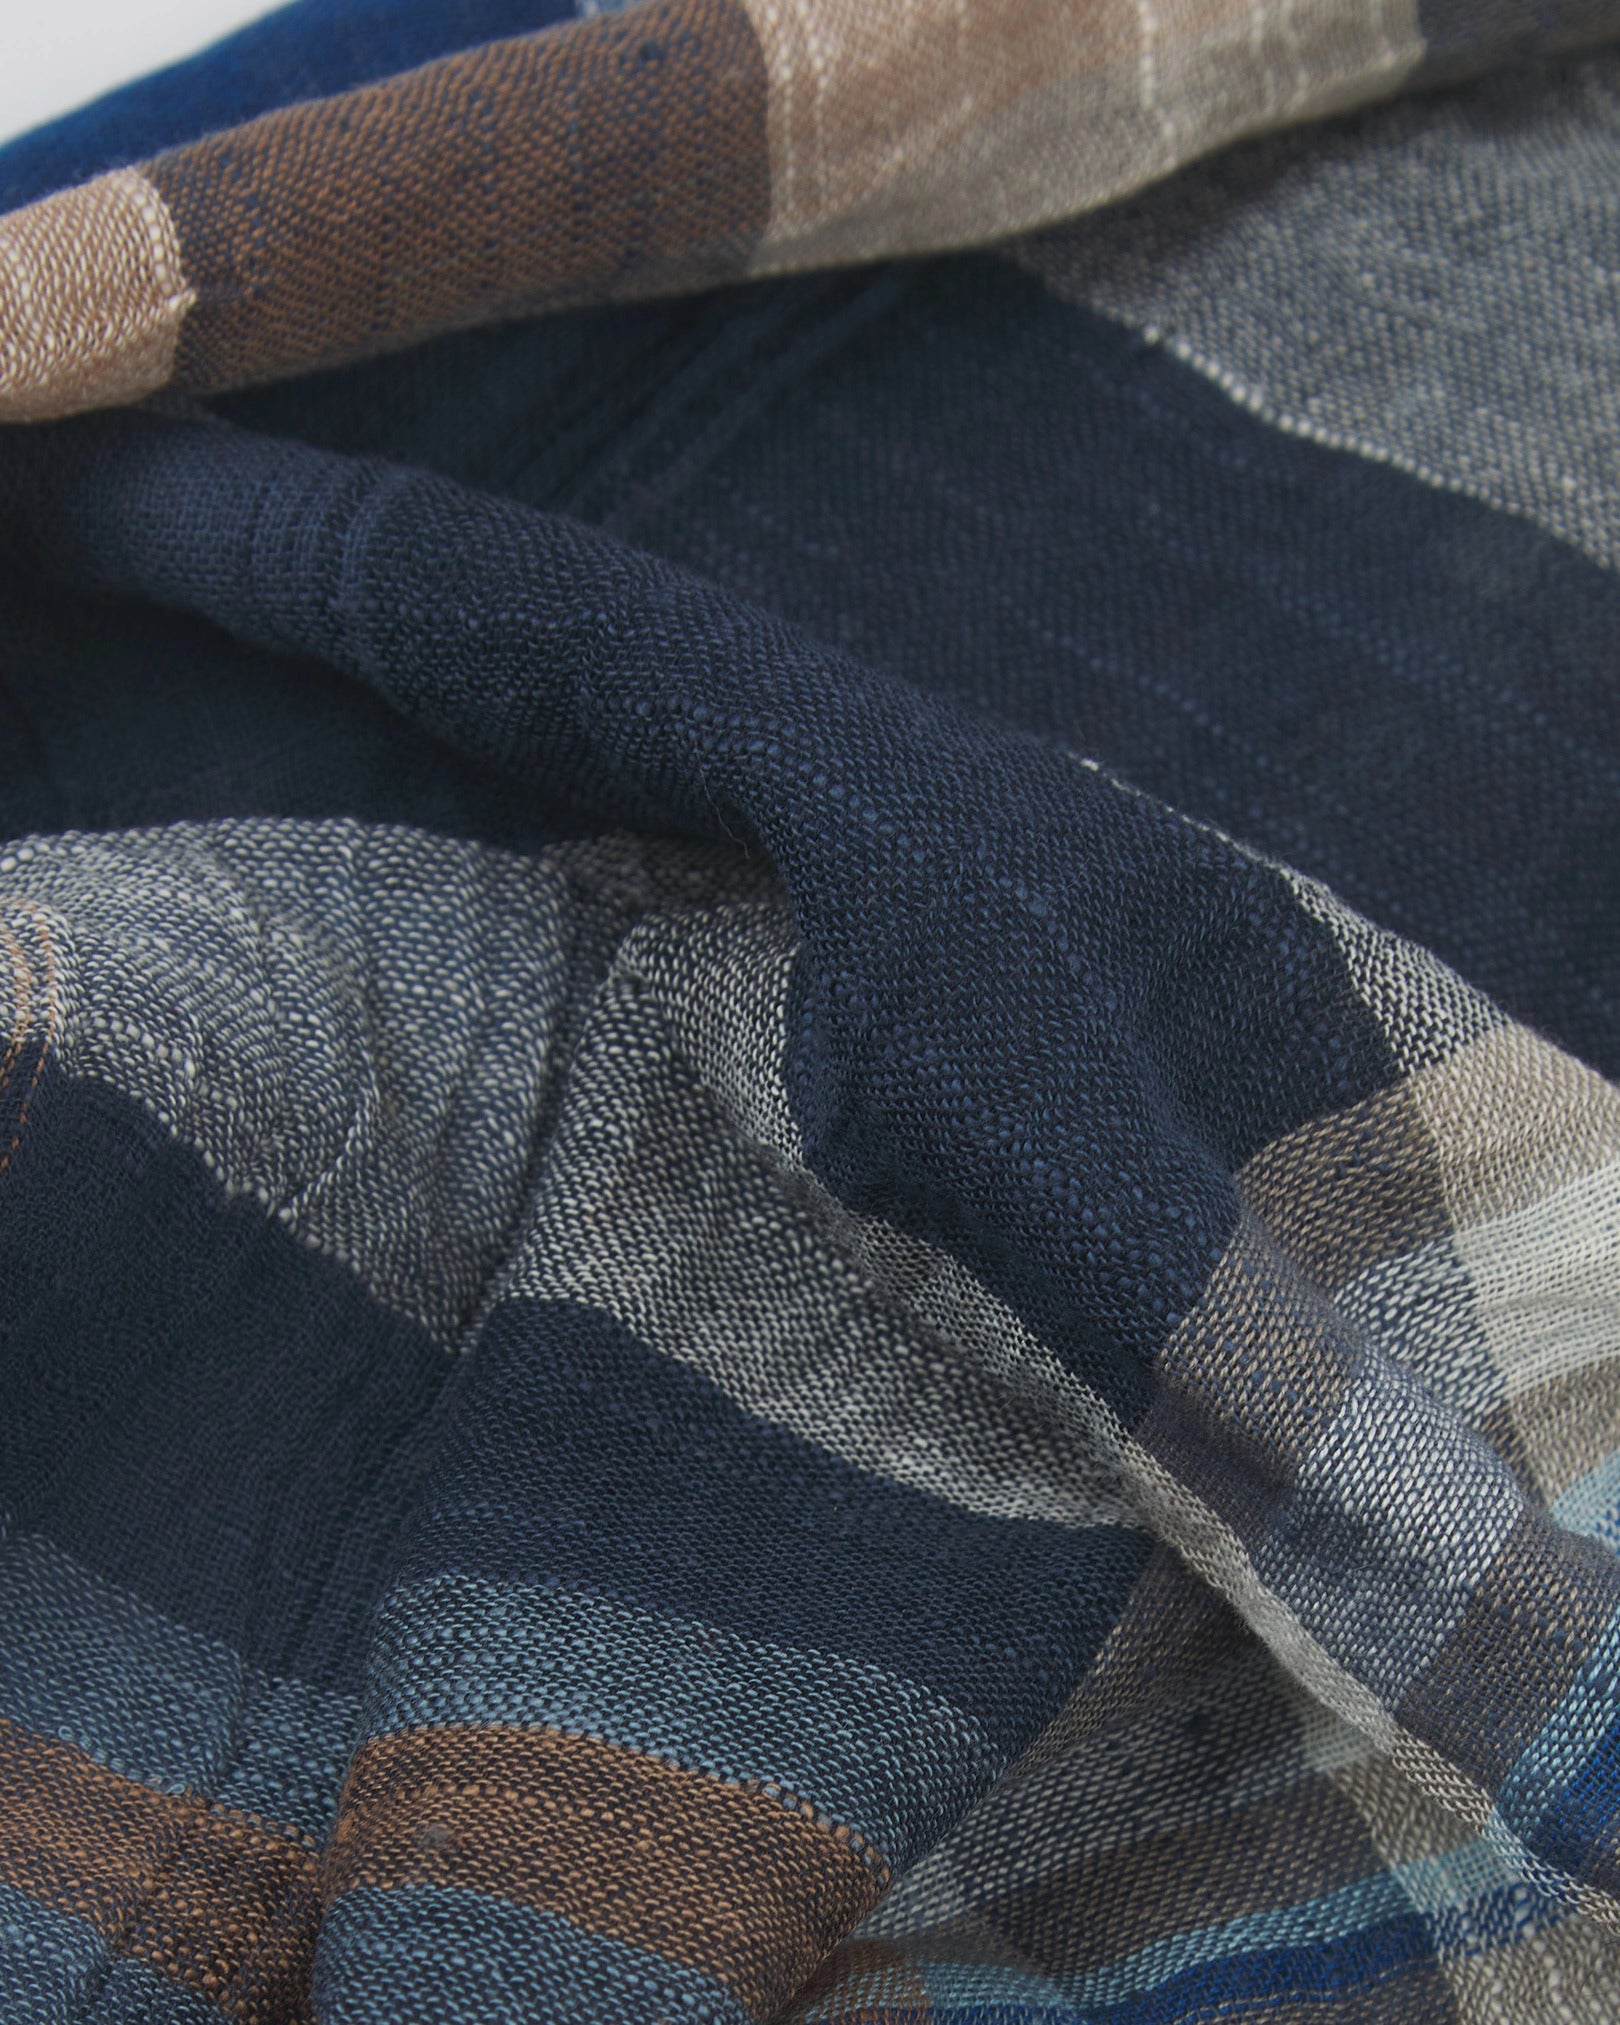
x,y
809,1155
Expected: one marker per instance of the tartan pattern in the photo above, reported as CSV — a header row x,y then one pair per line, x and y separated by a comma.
x,y
1275,1422
685,142
782,1352
1353,243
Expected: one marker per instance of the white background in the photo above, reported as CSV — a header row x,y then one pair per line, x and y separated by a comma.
x,y
55,54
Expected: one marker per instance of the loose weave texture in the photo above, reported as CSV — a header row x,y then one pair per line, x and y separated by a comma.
x,y
809,1197
628,153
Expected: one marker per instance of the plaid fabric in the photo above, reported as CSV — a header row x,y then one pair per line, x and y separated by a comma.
x,y
809,1207
695,140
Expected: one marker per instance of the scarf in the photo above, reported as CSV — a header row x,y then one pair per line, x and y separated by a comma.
x,y
809,1197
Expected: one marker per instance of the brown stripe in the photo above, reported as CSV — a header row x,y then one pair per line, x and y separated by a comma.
x,y
1558,1431
720,1877
863,1983
599,159
1350,1191
1111,1903
219,1901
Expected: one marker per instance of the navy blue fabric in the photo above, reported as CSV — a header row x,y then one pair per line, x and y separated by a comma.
x,y
112,720
1165,1006
308,50
211,1367
1465,37
865,575
1391,687
721,1517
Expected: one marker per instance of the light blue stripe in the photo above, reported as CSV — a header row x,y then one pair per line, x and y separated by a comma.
x,y
54,1968
1369,1902
87,1663
1437,1889
996,1993
425,1956
1437,1886
1579,1724
1591,1505
869,1749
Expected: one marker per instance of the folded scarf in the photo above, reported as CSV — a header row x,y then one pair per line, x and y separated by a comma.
x,y
809,1203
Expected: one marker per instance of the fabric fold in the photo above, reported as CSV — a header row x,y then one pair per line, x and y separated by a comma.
x,y
809,1175
1089,1179
677,144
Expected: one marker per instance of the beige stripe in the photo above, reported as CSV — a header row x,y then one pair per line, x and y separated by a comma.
x,y
1262,1350
1216,1553
1351,1190
937,123
92,298
1546,1284
1529,1149
1406,1826
1516,1120
1467,1219
964,1316
740,1045
1498,1153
